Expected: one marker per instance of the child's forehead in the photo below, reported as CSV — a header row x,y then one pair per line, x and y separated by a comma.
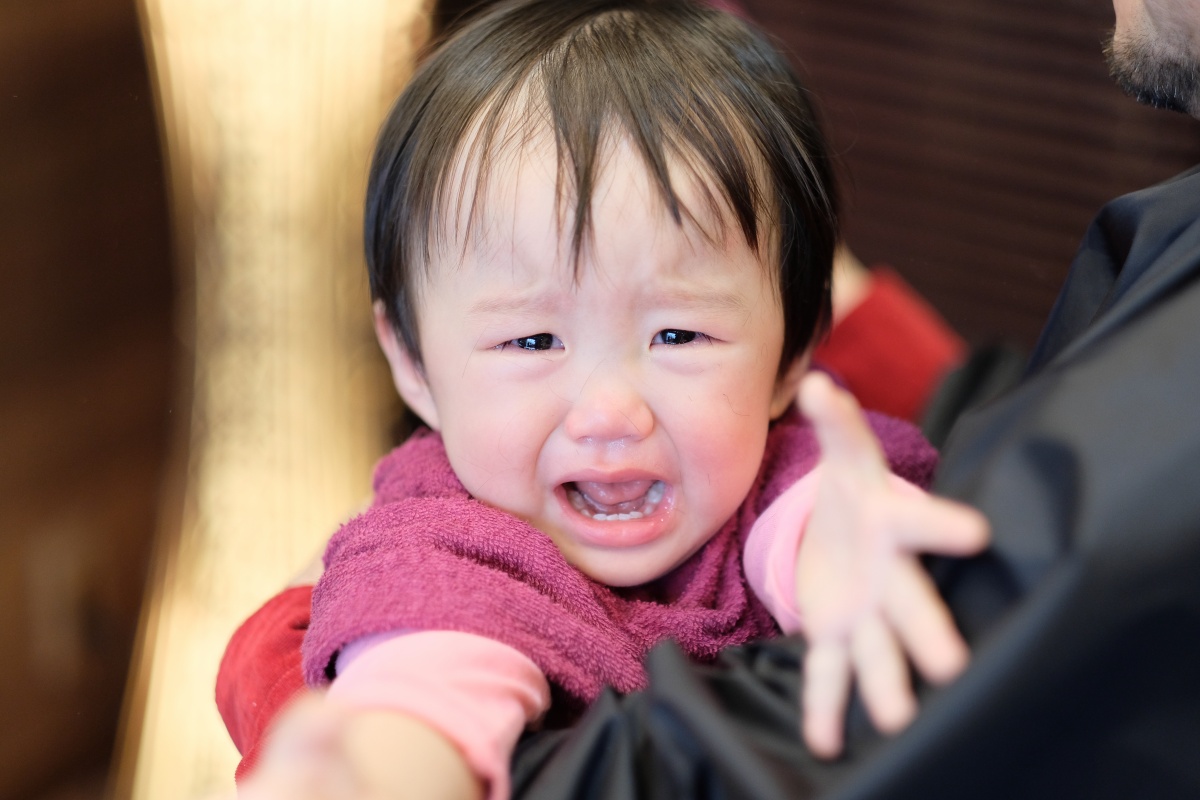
x,y
512,251
510,189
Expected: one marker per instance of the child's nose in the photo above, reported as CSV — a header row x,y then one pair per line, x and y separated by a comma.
x,y
609,408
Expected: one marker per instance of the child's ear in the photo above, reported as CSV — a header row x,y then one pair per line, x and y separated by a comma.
x,y
788,384
406,372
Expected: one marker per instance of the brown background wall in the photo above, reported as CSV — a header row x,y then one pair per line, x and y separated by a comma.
x,y
85,359
978,137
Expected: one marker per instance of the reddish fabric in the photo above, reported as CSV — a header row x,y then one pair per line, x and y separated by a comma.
x,y
892,350
260,671
499,577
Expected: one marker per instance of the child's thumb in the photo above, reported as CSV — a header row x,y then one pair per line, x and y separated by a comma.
x,y
846,439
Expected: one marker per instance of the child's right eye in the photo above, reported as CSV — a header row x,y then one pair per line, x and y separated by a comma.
x,y
539,341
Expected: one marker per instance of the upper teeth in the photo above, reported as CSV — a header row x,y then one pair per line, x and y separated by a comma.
x,y
650,503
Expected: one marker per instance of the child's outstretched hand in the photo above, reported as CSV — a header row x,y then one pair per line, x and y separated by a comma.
x,y
867,603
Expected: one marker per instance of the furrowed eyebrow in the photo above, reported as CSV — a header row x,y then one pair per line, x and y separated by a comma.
x,y
518,304
717,299
546,303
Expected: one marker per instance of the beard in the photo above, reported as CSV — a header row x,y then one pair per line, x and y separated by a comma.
x,y
1154,74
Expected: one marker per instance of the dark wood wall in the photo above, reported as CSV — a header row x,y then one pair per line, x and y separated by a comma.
x,y
85,358
977,138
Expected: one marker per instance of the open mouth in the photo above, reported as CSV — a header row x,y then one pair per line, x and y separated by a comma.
x,y
615,502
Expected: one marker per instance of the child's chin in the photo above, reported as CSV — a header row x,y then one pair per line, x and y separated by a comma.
x,y
620,569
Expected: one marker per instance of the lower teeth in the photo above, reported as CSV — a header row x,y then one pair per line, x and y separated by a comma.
x,y
649,504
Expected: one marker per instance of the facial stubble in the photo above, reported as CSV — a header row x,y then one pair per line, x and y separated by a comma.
x,y
1154,74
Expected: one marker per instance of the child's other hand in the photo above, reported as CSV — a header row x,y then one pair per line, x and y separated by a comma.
x,y
319,751
866,601
303,758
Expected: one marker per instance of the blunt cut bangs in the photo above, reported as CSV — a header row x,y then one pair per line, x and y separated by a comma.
x,y
684,84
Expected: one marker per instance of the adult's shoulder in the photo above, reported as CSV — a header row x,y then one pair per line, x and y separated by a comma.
x,y
1088,473
1139,247
1098,449
1144,220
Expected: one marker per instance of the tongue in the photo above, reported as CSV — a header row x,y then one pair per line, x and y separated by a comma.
x,y
605,495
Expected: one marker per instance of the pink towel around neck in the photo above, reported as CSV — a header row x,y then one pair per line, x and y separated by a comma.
x,y
427,556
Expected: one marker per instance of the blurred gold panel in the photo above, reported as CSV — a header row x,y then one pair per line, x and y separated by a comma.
x,y
268,110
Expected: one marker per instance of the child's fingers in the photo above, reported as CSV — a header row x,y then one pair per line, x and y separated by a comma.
x,y
882,674
846,439
826,681
923,623
929,524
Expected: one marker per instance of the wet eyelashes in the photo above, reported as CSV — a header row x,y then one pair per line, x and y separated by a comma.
x,y
548,341
539,341
676,336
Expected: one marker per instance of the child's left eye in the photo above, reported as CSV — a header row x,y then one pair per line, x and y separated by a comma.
x,y
538,341
677,336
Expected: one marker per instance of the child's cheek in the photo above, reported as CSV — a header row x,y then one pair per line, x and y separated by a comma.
x,y
735,423
495,440
517,432
741,392
737,419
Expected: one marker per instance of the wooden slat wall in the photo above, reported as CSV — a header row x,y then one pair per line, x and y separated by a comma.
x,y
978,139
86,344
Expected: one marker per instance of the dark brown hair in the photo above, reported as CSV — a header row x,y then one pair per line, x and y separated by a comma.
x,y
683,82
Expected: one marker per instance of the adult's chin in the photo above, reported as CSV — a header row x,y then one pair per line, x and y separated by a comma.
x,y
1153,74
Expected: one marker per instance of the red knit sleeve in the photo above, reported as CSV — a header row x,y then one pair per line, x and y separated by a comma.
x,y
892,350
260,671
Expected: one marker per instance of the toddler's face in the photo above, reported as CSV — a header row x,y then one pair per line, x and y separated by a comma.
x,y
624,411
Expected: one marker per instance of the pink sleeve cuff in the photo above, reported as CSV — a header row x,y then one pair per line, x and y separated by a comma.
x,y
478,693
774,544
772,547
